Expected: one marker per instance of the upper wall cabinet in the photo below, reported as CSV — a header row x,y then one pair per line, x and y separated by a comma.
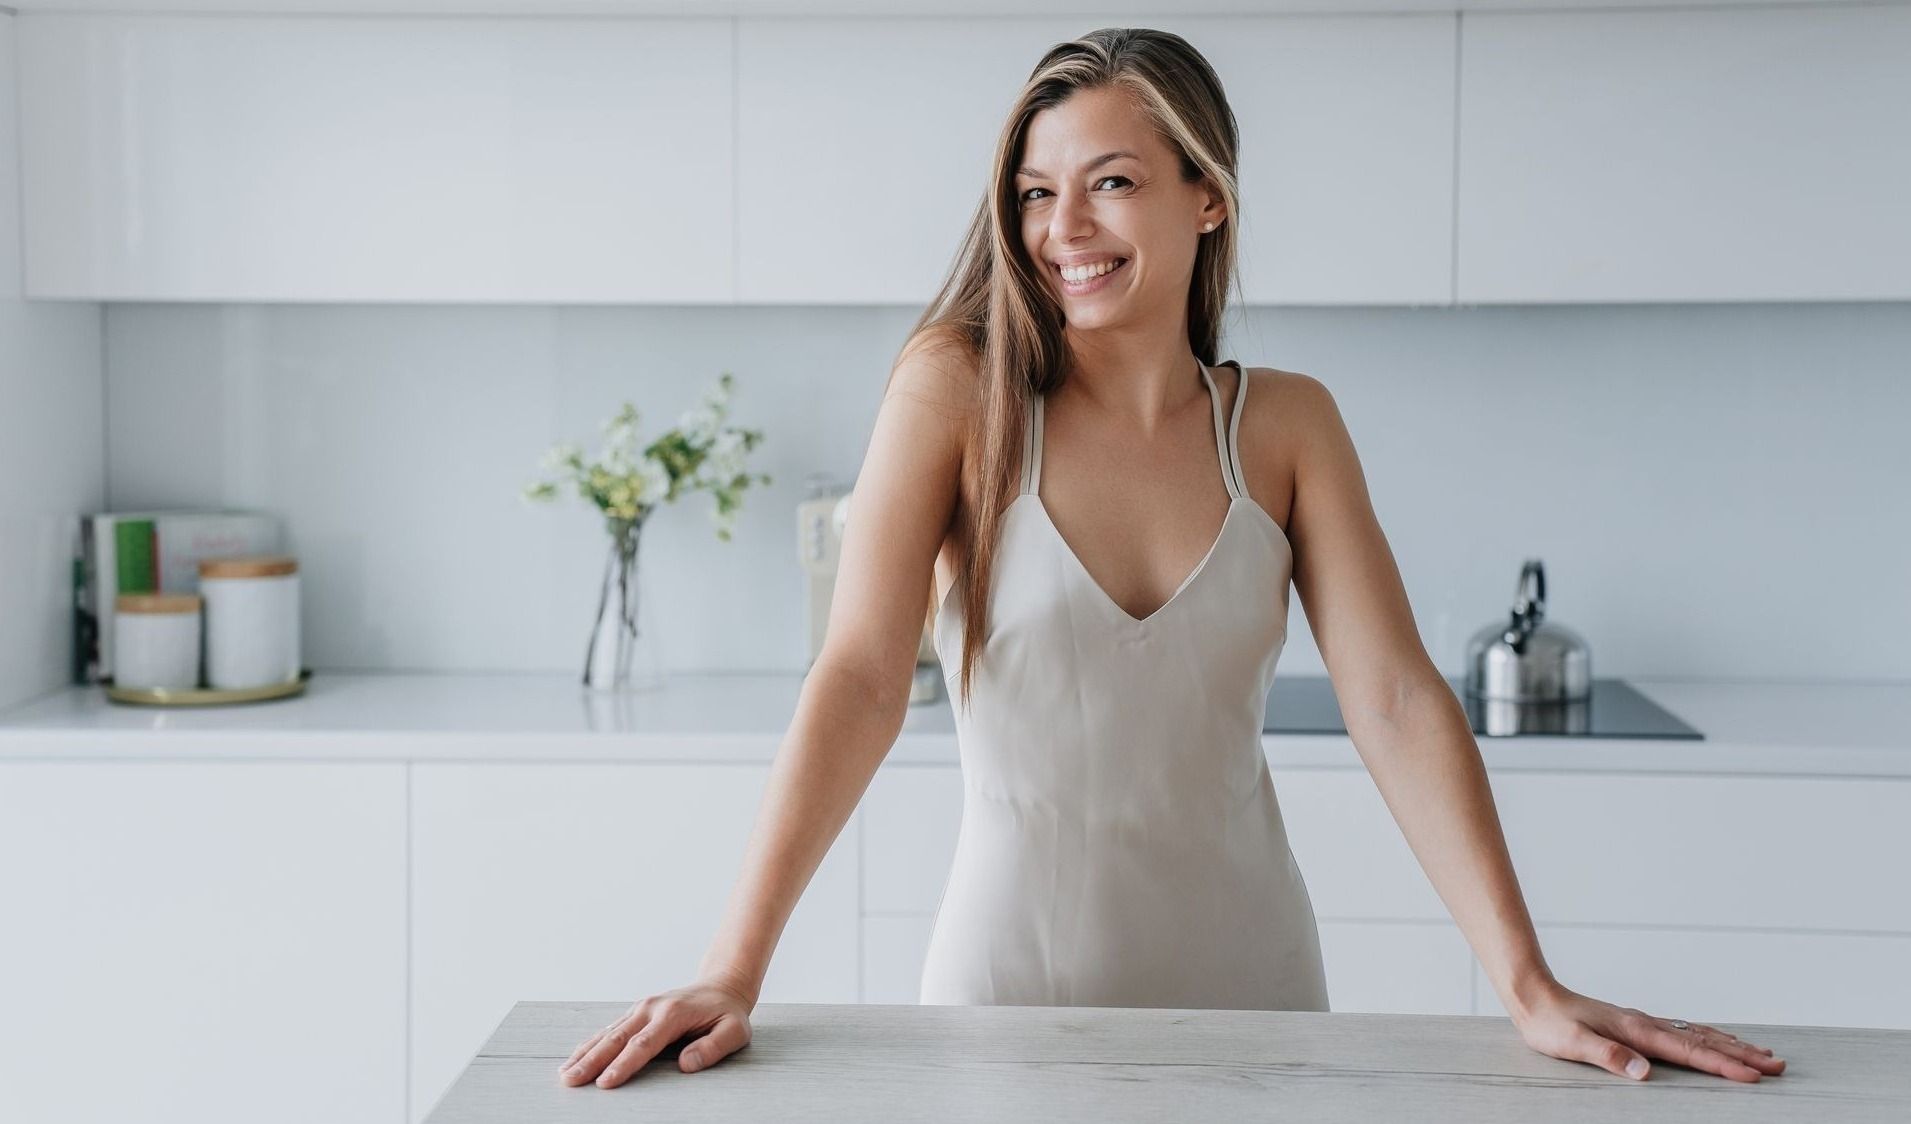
x,y
865,148
234,158
1686,155
1346,154
1730,154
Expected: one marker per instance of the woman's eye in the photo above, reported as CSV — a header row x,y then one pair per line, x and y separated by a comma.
x,y
1104,179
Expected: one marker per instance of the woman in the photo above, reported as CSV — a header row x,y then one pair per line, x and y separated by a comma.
x,y
1054,447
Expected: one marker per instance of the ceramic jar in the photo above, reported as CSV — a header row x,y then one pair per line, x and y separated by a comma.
x,y
156,640
252,620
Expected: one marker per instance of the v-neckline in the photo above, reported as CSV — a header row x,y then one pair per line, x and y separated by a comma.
x,y
1082,569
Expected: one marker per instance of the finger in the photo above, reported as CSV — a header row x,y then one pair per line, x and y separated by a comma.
x,y
729,1034
1731,1045
1689,1049
1747,1053
609,1042
583,1049
578,1054
1588,1045
666,1025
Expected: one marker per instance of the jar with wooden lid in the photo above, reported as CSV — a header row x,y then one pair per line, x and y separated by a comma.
x,y
156,640
252,620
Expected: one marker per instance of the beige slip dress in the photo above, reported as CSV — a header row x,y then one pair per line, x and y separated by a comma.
x,y
1120,842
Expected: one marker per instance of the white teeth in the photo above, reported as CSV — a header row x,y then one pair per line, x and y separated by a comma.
x,y
1078,274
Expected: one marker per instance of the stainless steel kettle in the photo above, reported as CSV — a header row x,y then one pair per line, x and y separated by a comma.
x,y
1528,659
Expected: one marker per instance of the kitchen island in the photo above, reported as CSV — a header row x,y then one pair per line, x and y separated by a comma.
x,y
889,1062
394,856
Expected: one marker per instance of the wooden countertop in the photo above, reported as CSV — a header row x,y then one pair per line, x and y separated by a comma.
x,y
870,1062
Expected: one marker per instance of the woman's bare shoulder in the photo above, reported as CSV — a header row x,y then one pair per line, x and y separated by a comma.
x,y
943,374
940,367
1282,409
1276,381
1279,401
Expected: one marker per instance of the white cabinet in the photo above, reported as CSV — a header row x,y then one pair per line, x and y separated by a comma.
x,y
1740,852
863,147
1345,158
237,158
591,882
1357,863
895,947
1745,153
223,158
1386,940
375,920
1733,153
1413,967
910,817
192,941
1346,151
1734,976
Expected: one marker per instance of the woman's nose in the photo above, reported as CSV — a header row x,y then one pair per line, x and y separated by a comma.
x,y
1070,216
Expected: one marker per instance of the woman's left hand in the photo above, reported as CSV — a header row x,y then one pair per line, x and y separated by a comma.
x,y
1565,1024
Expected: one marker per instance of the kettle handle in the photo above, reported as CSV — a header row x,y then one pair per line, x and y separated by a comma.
x,y
1529,604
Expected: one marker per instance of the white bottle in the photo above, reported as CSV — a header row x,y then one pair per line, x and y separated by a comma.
x,y
252,620
156,640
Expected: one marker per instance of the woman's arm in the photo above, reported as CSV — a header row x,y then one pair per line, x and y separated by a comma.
x,y
851,708
856,696
1413,735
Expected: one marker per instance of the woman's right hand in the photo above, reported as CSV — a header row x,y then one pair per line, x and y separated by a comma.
x,y
712,1013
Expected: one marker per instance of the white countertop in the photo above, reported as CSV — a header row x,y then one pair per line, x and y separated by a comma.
x,y
1789,728
865,1061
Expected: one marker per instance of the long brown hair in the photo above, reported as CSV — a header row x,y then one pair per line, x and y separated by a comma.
x,y
995,301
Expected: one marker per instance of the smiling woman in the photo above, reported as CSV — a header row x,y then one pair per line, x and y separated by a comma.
x,y
1060,435
1121,842
1103,251
1130,850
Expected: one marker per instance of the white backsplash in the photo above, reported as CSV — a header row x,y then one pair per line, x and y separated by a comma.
x,y
1716,490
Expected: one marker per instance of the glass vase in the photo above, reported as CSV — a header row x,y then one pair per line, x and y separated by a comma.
x,y
623,654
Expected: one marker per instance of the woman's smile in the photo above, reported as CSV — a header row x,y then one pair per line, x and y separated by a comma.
x,y
1092,284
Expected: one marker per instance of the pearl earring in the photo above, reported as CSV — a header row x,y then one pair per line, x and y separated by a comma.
x,y
1206,226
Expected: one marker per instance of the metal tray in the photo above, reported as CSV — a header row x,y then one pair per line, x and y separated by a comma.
x,y
205,696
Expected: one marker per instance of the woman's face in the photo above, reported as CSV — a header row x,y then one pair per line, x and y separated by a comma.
x,y
1079,207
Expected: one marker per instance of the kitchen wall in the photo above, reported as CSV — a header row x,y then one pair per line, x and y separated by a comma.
x,y
1717,489
51,387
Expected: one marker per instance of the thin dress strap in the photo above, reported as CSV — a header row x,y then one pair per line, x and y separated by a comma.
x,y
1234,428
1032,448
1221,449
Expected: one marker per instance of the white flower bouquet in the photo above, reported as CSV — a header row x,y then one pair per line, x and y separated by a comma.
x,y
700,453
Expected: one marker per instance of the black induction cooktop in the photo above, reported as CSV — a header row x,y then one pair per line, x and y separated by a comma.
x,y
1305,704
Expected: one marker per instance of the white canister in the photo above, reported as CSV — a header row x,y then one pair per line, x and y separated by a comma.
x,y
156,640
252,620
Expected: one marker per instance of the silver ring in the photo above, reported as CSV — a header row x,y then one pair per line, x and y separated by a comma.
x,y
1681,1024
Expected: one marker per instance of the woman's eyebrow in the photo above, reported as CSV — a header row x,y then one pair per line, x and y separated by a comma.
x,y
1097,162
